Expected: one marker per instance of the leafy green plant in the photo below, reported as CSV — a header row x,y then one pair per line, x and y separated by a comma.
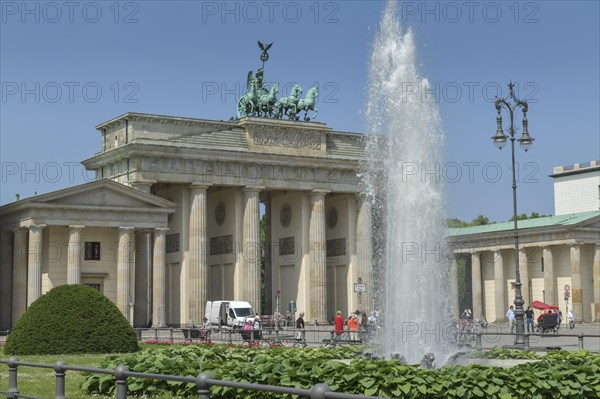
x,y
71,319
560,374
505,353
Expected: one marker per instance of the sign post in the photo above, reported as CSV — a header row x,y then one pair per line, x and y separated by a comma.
x,y
567,295
360,288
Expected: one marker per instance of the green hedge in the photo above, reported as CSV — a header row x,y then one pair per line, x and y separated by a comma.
x,y
71,319
561,374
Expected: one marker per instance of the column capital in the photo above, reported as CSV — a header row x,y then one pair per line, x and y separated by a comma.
x,y
253,188
575,245
161,230
320,192
37,228
76,226
126,228
199,186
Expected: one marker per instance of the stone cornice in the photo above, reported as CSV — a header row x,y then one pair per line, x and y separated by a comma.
x,y
165,119
133,150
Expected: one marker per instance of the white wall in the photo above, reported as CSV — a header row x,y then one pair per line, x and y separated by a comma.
x,y
577,193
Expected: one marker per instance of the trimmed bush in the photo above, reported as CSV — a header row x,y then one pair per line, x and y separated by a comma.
x,y
71,319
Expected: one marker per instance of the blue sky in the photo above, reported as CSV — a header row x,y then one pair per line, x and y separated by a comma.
x,y
67,66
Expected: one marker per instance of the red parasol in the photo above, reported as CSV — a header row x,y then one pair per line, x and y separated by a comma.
x,y
542,306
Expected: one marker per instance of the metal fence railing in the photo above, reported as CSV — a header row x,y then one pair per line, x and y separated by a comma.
x,y
203,382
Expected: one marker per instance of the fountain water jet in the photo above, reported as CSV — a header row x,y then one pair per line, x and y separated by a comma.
x,y
403,177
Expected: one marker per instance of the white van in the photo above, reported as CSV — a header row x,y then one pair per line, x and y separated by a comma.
x,y
229,313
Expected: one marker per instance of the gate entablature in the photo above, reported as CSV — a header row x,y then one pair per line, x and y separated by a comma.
x,y
142,149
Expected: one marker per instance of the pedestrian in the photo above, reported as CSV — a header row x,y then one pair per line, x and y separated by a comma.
x,y
510,315
300,327
353,327
207,327
571,319
257,328
529,316
338,325
363,322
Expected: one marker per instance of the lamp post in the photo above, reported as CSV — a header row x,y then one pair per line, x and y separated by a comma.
x,y
525,142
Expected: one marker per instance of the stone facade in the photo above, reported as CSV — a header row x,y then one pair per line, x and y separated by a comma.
x,y
554,252
183,224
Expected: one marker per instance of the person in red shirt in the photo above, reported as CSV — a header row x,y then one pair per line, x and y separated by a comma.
x,y
339,325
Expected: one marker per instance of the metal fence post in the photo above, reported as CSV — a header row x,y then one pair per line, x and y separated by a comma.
x,y
121,377
203,385
171,334
318,391
12,391
138,333
478,341
580,337
526,347
155,333
230,341
59,371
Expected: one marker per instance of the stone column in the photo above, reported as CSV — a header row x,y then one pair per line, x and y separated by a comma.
x,y
524,270
549,280
596,277
74,255
143,279
159,272
144,186
454,288
499,286
476,285
364,248
125,258
197,290
34,264
576,293
251,248
19,294
6,277
318,275
268,257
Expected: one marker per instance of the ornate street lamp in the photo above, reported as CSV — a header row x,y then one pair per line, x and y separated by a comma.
x,y
525,142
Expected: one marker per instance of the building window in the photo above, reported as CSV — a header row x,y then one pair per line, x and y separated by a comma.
x,y
97,287
92,250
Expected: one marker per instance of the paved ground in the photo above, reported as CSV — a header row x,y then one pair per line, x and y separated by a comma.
x,y
498,335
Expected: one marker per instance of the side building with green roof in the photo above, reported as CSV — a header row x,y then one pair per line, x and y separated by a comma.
x,y
559,258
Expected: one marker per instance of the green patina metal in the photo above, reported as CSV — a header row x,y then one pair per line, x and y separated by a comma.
x,y
260,100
